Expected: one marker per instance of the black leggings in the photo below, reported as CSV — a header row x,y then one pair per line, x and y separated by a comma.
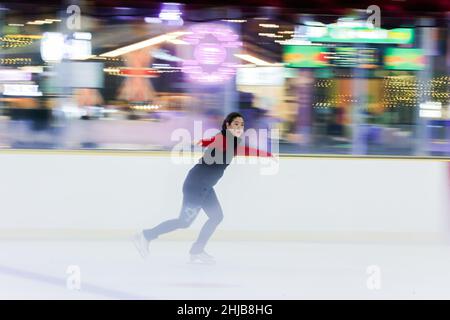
x,y
194,198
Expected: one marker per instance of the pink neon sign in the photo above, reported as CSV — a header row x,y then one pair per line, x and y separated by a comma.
x,y
212,56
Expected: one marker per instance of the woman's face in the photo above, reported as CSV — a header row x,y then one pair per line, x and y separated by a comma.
x,y
236,127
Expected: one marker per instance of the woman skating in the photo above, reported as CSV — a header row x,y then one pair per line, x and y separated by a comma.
x,y
198,191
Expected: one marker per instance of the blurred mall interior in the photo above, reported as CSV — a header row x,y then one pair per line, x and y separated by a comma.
x,y
334,77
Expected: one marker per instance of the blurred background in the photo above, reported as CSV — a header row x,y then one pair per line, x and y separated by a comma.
x,y
353,77
335,77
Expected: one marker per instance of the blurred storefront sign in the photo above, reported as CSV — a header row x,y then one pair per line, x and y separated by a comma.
x,y
431,109
296,56
305,56
337,33
138,72
52,47
210,56
404,59
260,76
21,90
56,46
351,57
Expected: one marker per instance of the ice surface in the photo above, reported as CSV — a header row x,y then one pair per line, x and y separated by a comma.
x,y
244,270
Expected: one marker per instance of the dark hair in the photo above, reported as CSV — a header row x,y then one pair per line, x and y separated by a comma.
x,y
229,119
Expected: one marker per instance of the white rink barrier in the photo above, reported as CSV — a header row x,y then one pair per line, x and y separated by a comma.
x,y
110,195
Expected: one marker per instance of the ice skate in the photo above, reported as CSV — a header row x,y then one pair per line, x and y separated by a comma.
x,y
202,258
141,244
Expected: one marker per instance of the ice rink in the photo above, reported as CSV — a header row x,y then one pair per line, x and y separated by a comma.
x,y
318,229
244,270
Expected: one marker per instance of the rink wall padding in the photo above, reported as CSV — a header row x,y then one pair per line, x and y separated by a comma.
x,y
110,195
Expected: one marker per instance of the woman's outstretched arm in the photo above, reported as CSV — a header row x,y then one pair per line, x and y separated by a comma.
x,y
249,151
206,142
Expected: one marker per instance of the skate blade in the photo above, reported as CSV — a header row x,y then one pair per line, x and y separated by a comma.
x,y
201,262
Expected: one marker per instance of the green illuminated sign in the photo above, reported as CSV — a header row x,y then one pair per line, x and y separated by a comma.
x,y
404,59
305,56
333,33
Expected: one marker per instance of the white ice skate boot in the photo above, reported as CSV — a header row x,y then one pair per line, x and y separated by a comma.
x,y
141,244
202,258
